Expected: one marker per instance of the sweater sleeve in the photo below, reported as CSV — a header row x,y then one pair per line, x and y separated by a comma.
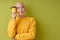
x,y
31,34
11,28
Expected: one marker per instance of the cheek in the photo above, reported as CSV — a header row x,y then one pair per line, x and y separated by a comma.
x,y
18,10
23,9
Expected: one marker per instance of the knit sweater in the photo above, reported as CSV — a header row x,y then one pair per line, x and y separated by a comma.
x,y
22,28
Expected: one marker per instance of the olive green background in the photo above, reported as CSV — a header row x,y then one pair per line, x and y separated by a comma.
x,y
45,12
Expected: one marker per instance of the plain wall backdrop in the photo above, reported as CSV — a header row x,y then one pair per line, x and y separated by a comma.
x,y
45,12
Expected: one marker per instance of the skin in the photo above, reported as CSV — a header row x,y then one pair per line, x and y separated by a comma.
x,y
20,11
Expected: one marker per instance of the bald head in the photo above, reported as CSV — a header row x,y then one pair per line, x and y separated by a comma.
x,y
19,4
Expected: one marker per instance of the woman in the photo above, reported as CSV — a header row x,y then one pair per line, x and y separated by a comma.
x,y
21,27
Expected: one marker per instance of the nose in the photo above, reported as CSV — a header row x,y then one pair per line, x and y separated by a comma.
x,y
21,10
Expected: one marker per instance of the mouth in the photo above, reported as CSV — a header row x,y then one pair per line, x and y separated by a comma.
x,y
20,13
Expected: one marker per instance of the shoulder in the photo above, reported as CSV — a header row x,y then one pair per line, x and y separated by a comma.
x,y
31,19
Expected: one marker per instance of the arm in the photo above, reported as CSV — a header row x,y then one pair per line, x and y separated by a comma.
x,y
31,34
11,28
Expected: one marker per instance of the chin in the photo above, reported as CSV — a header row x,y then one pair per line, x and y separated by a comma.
x,y
21,14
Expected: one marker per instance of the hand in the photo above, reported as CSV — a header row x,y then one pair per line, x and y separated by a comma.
x,y
14,16
14,11
13,39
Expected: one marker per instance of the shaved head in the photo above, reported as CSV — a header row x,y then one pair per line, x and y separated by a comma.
x,y
19,3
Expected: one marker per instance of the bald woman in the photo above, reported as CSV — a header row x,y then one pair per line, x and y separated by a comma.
x,y
21,27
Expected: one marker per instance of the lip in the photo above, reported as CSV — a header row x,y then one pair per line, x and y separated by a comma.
x,y
21,12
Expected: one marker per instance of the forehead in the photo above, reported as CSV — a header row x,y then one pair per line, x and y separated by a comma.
x,y
19,4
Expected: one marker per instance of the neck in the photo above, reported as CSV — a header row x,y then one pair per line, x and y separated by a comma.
x,y
22,16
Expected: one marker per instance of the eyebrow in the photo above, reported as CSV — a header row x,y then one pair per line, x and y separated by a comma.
x,y
22,7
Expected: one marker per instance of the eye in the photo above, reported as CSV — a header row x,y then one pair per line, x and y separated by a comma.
x,y
22,6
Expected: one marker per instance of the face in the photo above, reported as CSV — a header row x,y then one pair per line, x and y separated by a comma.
x,y
20,8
